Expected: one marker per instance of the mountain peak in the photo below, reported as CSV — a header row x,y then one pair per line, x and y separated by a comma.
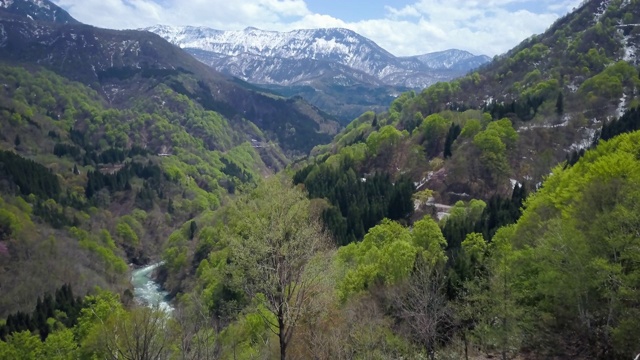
x,y
37,10
304,55
451,59
327,60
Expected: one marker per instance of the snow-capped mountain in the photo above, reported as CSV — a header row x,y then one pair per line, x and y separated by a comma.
x,y
300,57
452,59
40,10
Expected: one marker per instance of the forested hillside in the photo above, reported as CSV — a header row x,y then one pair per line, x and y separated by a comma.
x,y
126,66
552,95
495,216
560,283
103,186
103,170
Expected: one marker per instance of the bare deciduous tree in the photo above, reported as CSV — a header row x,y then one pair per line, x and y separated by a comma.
x,y
275,236
421,303
141,334
197,330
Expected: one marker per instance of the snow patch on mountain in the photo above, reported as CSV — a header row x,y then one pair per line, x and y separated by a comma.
x,y
39,3
452,58
604,5
42,4
3,36
303,56
629,50
38,10
588,137
622,106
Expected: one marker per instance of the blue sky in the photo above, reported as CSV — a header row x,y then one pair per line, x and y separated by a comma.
x,y
354,10
403,27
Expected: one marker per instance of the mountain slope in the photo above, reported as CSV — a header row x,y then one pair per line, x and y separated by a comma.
x,y
41,10
333,45
110,141
117,63
333,62
452,59
555,91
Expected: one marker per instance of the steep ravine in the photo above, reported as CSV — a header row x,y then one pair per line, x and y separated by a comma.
x,y
147,291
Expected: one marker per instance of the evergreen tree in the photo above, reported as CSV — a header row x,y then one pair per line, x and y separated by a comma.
x,y
193,227
560,104
454,132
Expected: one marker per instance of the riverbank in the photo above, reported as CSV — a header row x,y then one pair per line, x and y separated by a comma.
x,y
146,290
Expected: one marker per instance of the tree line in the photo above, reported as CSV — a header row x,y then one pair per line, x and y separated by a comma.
x,y
62,306
29,176
357,203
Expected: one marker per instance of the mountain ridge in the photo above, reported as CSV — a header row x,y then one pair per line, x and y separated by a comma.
x,y
114,62
37,10
112,140
452,59
557,90
336,69
336,45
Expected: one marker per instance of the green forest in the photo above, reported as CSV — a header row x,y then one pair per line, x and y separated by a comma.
x,y
493,216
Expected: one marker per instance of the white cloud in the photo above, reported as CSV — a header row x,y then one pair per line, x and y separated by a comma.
x,y
407,11
564,6
483,27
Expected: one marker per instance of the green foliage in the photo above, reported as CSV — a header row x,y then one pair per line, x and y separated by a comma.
x,y
29,176
357,130
372,261
500,319
127,234
542,90
432,98
273,227
82,164
434,129
610,83
572,264
357,204
471,128
493,153
493,143
62,309
221,296
529,55
475,247
244,338
398,104
427,235
384,139
387,255
61,345
21,346
480,217
103,247
9,224
504,129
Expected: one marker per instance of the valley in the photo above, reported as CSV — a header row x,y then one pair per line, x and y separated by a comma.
x,y
185,192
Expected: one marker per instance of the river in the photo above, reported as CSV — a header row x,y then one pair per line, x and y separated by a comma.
x,y
148,292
